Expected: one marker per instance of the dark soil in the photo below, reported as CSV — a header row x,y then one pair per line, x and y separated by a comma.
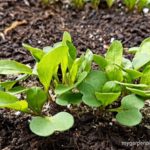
x,y
89,29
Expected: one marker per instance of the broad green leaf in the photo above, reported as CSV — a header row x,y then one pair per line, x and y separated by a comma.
x,y
45,126
114,53
134,74
100,60
19,106
7,85
89,97
111,86
13,67
110,2
114,73
145,79
96,79
46,67
107,98
6,98
36,52
142,56
130,117
69,98
36,98
60,89
132,101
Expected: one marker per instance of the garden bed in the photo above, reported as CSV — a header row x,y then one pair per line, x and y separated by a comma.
x,y
89,29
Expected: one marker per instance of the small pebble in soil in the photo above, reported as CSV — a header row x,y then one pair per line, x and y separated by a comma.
x,y
146,10
17,113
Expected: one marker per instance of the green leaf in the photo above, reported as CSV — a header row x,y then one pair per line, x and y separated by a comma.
x,y
36,52
142,56
66,37
114,73
88,95
11,102
126,63
129,113
96,79
88,58
100,60
114,53
134,74
69,98
107,98
45,126
95,3
6,98
129,117
13,67
75,68
18,90
133,50
36,98
145,79
141,4
130,4
46,67
8,84
110,3
111,86
139,92
132,85
132,101
60,89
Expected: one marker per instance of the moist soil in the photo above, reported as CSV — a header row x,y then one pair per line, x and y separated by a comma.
x,y
93,29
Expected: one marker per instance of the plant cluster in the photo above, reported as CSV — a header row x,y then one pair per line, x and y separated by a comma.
x,y
130,4
73,81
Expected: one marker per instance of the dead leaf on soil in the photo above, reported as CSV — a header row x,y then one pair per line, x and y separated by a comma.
x,y
14,25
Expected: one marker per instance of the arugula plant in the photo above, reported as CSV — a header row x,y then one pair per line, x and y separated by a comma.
x,y
78,3
73,81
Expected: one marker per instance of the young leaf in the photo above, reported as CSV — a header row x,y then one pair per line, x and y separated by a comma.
x,y
45,126
145,79
88,95
60,89
110,2
133,50
141,4
36,98
139,92
95,3
100,60
69,98
130,117
114,53
132,101
142,56
107,98
130,4
17,90
96,79
129,113
6,98
46,67
36,52
114,73
13,67
111,86
7,85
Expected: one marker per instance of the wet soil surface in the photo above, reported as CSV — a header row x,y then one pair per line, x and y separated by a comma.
x,y
90,29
